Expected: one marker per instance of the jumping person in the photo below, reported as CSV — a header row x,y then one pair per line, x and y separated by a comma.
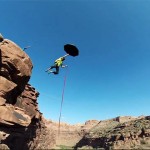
x,y
58,63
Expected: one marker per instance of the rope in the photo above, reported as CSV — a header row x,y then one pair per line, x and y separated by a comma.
x,y
65,77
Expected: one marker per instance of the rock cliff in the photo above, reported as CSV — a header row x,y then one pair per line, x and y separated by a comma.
x,y
118,133
123,132
21,124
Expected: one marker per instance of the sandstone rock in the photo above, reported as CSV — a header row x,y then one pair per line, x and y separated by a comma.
x,y
28,101
91,122
9,114
117,137
124,135
15,62
147,132
19,114
4,147
7,88
2,101
147,117
122,119
3,135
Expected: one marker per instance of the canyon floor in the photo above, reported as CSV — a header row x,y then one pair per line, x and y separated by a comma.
x,y
124,132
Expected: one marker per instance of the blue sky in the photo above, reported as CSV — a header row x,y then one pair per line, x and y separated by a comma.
x,y
110,77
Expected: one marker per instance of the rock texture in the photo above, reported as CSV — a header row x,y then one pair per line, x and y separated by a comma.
x,y
124,132
21,124
15,70
65,136
118,133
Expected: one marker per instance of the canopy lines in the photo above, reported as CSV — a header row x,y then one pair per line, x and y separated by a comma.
x,y
63,91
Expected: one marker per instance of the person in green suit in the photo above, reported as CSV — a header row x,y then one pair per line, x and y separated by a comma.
x,y
58,63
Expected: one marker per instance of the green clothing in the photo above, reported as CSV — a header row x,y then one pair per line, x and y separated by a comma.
x,y
59,61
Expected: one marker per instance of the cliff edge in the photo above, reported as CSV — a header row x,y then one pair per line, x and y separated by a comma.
x,y
21,124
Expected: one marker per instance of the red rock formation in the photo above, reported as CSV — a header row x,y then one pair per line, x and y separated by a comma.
x,y
118,133
15,70
21,123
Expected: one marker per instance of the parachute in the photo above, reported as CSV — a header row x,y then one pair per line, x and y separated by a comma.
x,y
72,50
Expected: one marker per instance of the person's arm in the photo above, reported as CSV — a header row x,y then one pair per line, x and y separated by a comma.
x,y
63,66
66,55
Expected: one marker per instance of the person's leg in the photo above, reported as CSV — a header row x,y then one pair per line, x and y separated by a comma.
x,y
57,70
54,66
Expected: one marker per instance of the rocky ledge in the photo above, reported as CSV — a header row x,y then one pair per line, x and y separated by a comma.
x,y
118,133
21,124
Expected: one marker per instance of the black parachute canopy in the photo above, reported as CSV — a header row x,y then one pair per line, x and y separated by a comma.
x,y
71,50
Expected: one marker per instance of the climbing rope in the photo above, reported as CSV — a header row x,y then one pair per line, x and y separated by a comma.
x,y
65,77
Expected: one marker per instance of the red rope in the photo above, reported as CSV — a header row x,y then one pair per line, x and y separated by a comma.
x,y
62,99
